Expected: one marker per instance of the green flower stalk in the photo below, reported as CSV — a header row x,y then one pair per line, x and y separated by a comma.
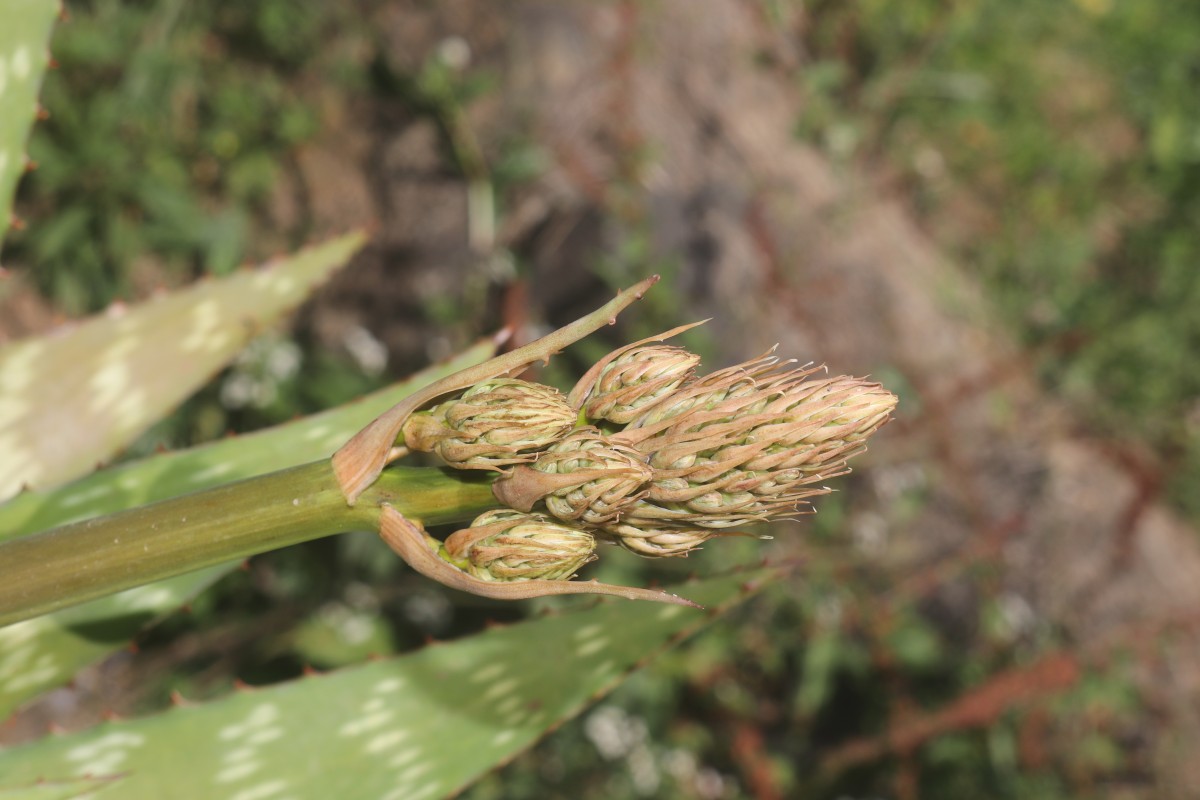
x,y
505,545
584,478
496,423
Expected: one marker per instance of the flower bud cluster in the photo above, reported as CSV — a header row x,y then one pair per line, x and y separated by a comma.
x,y
645,454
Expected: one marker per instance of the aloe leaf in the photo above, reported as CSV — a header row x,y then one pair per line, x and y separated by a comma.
x,y
42,653
75,398
167,475
23,58
412,728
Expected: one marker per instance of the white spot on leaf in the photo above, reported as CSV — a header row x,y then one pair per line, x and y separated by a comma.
x,y
261,791
388,685
486,674
235,772
386,741
500,689
404,757
588,631
21,63
591,648
357,727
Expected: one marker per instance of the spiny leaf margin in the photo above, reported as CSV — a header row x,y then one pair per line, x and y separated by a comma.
x,y
23,59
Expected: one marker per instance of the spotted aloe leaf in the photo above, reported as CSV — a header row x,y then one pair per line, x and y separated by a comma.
x,y
23,58
166,475
46,652
75,398
416,727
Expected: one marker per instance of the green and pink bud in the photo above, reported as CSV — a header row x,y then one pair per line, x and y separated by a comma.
x,y
494,424
583,478
637,380
754,457
657,541
506,545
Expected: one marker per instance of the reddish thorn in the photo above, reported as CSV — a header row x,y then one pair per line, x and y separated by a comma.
x,y
110,715
63,14
490,623
245,566
374,657
309,671
52,63
186,608
133,648
241,686
430,640
56,729
42,114
16,222
230,434
178,699
30,164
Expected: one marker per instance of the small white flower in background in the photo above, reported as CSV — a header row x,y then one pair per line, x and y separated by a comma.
x,y
257,372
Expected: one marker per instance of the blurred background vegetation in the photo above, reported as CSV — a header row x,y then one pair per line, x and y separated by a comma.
x,y
1050,150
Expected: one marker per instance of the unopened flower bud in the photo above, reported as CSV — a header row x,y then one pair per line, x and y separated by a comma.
x,y
727,390
495,423
637,380
662,541
584,477
718,467
506,545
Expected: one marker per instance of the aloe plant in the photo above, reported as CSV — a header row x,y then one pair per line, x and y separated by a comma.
x,y
641,454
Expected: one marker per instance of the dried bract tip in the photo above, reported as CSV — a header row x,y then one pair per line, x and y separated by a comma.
x,y
585,477
496,423
507,545
637,380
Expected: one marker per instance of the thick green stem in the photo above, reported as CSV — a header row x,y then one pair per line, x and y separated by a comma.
x,y
78,562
